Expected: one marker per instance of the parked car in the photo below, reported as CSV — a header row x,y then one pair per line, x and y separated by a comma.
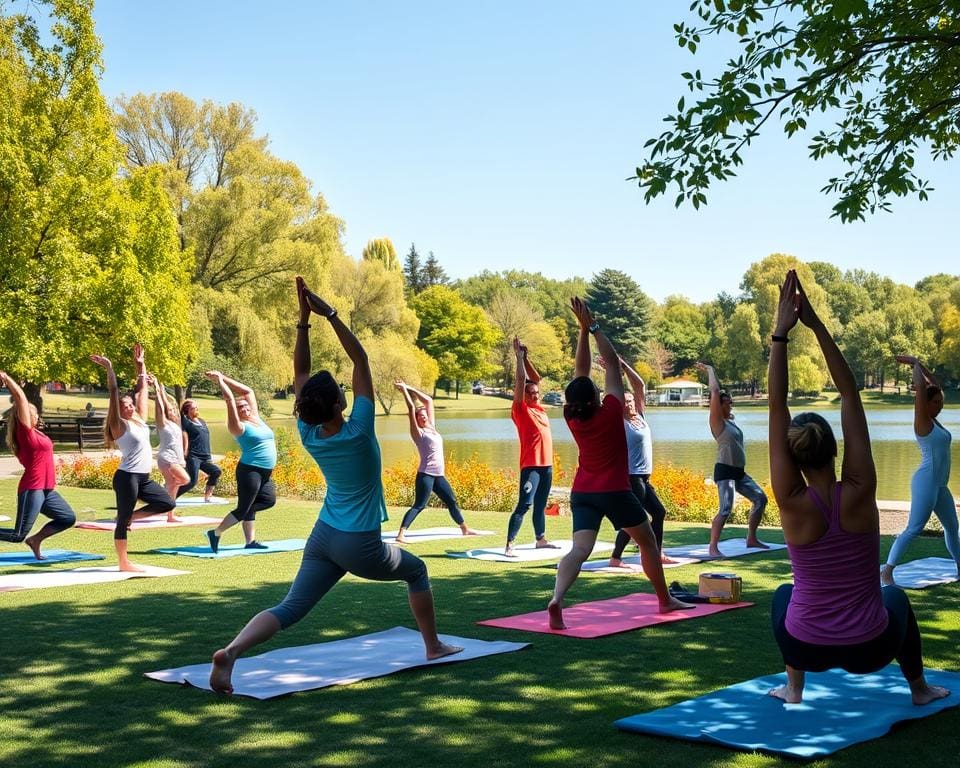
x,y
553,398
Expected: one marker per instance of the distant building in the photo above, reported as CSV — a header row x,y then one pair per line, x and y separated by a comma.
x,y
679,392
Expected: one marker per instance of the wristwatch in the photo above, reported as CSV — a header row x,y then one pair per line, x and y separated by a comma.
x,y
594,328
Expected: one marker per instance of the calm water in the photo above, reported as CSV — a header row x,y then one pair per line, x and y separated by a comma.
x,y
681,436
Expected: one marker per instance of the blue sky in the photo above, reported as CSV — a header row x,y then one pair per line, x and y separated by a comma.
x,y
499,134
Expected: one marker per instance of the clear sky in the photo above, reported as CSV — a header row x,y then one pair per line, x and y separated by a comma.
x,y
499,135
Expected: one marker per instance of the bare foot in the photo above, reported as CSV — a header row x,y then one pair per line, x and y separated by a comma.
x,y
755,543
545,544
35,547
714,552
173,519
617,563
469,532
220,672
923,693
675,605
787,693
665,560
398,539
438,651
555,613
508,551
131,567
886,576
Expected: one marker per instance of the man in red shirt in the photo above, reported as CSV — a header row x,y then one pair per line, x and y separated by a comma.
x,y
536,451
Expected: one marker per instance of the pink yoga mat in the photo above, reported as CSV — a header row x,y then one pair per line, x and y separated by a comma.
x,y
608,617
154,521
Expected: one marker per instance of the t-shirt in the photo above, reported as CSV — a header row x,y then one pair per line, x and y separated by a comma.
x,y
35,452
602,442
536,440
198,438
350,462
430,445
258,448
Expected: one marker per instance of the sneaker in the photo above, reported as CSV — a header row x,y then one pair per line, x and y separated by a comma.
x,y
214,541
255,545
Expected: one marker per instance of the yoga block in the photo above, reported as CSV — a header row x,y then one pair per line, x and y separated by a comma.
x,y
726,587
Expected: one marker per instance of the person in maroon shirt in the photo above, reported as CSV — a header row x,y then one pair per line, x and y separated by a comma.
x,y
35,492
601,487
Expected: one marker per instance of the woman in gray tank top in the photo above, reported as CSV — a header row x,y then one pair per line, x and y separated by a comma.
x,y
728,472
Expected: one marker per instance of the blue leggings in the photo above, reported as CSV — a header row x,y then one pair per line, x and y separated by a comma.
x,y
425,485
535,483
331,553
32,503
927,498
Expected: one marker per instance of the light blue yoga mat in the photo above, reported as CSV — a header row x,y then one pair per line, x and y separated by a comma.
x,y
234,550
50,556
838,710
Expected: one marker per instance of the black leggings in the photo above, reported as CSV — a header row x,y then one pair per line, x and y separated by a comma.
x,y
194,465
425,485
130,486
900,641
256,491
647,495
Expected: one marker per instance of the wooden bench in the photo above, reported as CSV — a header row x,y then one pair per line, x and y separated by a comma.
x,y
84,431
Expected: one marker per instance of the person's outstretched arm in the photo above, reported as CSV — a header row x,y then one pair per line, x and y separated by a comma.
x,y
716,408
141,392
246,392
520,377
530,369
613,380
301,350
637,385
425,400
234,425
411,409
858,467
160,406
922,378
362,377
20,401
785,475
114,423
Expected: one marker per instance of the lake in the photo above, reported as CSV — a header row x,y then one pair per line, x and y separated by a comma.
x,y
681,436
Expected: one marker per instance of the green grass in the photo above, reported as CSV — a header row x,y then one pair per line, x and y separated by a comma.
x,y
73,692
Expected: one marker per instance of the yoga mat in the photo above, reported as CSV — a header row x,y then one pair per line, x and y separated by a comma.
x,y
198,501
430,534
4,518
838,710
154,521
527,553
631,565
927,572
341,662
76,576
729,548
609,617
50,556
234,550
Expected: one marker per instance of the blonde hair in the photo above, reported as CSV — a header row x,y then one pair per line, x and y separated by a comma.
x,y
13,421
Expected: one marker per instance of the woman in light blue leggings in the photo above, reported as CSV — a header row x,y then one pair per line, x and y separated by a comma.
x,y
928,488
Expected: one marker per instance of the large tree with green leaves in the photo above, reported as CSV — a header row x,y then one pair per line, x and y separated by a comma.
x,y
625,311
885,72
682,329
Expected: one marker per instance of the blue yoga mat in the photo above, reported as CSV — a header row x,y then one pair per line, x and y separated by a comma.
x,y
234,550
838,710
50,556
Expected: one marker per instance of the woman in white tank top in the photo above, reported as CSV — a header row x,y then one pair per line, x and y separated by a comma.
x,y
173,443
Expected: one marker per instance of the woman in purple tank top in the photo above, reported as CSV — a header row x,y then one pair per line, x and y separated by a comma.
x,y
835,614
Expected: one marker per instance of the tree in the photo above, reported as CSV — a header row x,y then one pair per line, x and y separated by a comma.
x,y
413,271
888,72
392,357
683,331
866,345
511,315
382,250
744,359
806,378
433,273
623,309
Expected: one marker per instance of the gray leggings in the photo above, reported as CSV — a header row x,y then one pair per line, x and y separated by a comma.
x,y
747,487
331,553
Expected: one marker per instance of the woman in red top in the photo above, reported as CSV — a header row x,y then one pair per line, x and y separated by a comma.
x,y
35,493
601,487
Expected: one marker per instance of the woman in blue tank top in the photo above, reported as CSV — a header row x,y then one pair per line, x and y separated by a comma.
x,y
928,488
258,456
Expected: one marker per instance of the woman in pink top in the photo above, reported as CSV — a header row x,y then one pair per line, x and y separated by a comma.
x,y
835,614
35,492
430,473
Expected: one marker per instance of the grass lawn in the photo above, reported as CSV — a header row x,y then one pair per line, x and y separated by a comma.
x,y
73,691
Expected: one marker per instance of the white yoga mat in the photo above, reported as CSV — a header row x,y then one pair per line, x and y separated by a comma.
x,y
341,662
527,553
927,572
431,534
76,576
4,518
199,501
728,548
149,523
631,565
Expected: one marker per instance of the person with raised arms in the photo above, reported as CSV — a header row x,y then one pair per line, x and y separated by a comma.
x,y
198,455
256,490
430,473
346,537
729,471
36,490
536,452
173,443
835,614
601,488
126,429
929,491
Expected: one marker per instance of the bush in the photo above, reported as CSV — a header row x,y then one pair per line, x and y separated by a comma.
x,y
688,498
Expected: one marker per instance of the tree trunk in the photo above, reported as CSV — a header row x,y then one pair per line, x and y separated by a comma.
x,y
34,395
458,389
178,393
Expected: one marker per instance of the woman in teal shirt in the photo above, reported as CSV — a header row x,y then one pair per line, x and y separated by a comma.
x,y
256,490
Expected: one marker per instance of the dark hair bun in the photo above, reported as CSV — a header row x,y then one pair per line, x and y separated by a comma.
x,y
318,399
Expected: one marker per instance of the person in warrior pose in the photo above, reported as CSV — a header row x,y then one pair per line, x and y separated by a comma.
x,y
346,536
835,614
928,488
170,454
198,450
36,492
430,477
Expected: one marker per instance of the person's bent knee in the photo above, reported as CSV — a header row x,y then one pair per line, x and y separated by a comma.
x,y
288,613
419,580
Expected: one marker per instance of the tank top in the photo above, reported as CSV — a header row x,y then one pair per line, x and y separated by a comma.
x,y
836,590
730,445
134,446
258,448
171,442
639,446
935,453
430,446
